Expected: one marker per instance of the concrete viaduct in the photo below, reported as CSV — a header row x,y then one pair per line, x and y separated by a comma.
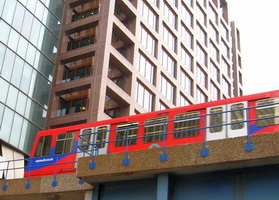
x,y
185,173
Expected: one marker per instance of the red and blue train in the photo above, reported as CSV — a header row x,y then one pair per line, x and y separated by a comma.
x,y
55,150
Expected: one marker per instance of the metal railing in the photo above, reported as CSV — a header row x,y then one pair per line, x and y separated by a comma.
x,y
91,149
249,146
27,170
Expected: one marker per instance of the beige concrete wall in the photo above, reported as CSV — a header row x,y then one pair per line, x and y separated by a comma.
x,y
41,188
185,159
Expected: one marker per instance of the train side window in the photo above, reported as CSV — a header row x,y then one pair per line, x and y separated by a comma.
x,y
237,115
267,110
216,120
101,136
124,131
186,125
43,147
153,129
85,138
64,143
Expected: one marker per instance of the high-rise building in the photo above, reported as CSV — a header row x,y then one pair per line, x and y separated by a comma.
x,y
123,57
29,34
100,59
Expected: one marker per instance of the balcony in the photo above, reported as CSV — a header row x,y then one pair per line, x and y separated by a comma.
x,y
82,38
122,43
78,69
86,10
120,76
74,102
125,15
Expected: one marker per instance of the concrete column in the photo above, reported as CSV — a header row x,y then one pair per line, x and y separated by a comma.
x,y
163,187
88,195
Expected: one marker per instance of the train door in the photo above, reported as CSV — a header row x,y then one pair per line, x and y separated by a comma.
x,y
236,118
94,140
215,120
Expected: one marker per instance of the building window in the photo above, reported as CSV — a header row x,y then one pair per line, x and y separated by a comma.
x,y
149,15
226,87
186,15
202,2
183,101
239,61
82,38
155,2
214,52
213,33
224,31
214,71
144,97
168,63
174,2
186,58
169,38
65,143
240,77
148,41
225,49
214,92
201,35
146,68
78,69
85,10
201,98
226,67
201,55
186,82
201,15
167,89
170,15
213,15
238,39
162,106
1,151
201,77
187,37
189,2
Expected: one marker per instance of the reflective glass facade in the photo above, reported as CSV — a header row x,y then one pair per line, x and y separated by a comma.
x,y
28,45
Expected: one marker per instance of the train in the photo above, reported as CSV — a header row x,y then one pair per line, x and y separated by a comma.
x,y
56,151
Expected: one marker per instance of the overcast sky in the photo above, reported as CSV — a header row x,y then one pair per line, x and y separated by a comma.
x,y
258,23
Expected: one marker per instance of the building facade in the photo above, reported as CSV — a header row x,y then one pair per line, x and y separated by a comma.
x,y
76,61
28,45
124,57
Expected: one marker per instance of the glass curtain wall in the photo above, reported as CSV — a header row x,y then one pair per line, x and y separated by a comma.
x,y
28,45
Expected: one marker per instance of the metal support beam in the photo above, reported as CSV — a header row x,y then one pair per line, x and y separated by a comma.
x,y
163,187
88,195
